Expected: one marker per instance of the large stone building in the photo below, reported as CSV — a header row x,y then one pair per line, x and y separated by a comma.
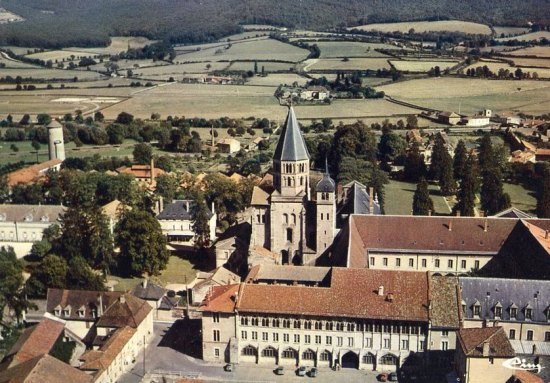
x,y
285,218
358,318
506,247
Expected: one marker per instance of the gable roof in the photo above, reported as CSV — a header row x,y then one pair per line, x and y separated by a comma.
x,y
32,173
357,200
472,339
99,360
179,210
127,310
287,274
220,299
148,290
141,171
80,298
43,369
291,145
31,213
35,341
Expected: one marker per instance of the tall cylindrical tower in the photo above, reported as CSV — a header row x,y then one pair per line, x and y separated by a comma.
x,y
56,145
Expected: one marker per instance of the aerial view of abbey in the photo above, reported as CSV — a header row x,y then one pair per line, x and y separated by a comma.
x,y
200,191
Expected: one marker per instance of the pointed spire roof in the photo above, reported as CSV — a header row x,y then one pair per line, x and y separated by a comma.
x,y
291,145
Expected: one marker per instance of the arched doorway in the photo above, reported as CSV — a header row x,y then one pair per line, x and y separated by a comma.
x,y
350,360
284,257
269,355
289,356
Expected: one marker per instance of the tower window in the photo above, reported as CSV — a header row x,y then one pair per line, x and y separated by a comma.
x,y
289,234
285,218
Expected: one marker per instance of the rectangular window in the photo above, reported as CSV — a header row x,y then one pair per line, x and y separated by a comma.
x,y
275,337
422,345
216,335
339,341
411,262
350,342
513,313
444,345
398,262
385,261
547,336
529,334
216,318
317,339
476,265
286,338
296,338
307,339
243,335
372,261
512,335
289,234
450,263
265,336
404,344
254,335
424,262
216,353
498,312
368,342
387,343
329,340
477,310
445,333
529,314
463,264
436,263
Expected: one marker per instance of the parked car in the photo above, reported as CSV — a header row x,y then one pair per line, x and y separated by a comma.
x,y
383,377
392,377
228,367
279,370
301,371
313,372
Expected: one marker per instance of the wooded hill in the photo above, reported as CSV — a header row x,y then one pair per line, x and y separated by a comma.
x,y
57,23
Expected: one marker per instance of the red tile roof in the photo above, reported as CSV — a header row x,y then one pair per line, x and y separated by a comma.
x,y
127,310
99,360
221,299
35,341
31,173
472,339
44,369
141,171
526,377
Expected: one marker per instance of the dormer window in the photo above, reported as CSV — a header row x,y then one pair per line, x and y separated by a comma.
x,y
548,313
28,218
45,218
57,311
528,312
513,311
477,309
463,308
81,312
3,217
498,310
67,311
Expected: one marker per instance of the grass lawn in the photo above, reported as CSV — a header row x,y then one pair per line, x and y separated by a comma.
x,y
399,197
177,271
522,198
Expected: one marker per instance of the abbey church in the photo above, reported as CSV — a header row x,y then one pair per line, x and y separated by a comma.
x,y
293,220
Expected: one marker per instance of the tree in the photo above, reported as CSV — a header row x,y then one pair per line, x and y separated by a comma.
x,y
486,155
543,195
167,187
391,145
459,160
80,276
412,121
142,153
415,168
142,244
124,118
12,292
98,116
439,156
466,193
422,203
201,225
447,183
4,189
50,273
43,119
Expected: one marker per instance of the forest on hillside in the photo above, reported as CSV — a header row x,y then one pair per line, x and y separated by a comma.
x,y
62,23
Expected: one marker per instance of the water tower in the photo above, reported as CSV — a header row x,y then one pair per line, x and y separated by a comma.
x,y
56,147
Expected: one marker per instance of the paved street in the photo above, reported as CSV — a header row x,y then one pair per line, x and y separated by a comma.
x,y
165,354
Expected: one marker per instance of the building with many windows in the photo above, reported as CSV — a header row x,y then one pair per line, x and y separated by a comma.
x,y
358,318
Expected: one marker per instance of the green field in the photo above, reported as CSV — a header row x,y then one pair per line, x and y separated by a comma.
x,y
421,66
399,198
522,198
430,26
351,64
334,49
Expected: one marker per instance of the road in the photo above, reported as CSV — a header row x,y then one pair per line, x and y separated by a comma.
x,y
162,355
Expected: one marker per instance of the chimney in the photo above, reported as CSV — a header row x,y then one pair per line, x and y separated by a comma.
x,y
144,283
100,304
380,290
371,200
486,348
458,213
213,209
429,212
389,297
152,170
485,224
122,299
450,225
545,234
161,204
187,205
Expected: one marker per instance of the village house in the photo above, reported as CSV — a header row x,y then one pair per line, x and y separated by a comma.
x,y
43,369
355,318
158,299
206,281
443,245
176,221
231,247
483,118
33,173
143,173
481,353
228,145
23,225
449,118
507,119
315,93
521,307
542,154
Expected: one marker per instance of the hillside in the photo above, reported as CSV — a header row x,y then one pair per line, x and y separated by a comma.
x,y
51,23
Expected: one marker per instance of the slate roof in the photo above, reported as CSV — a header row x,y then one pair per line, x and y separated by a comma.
x,y
127,310
148,290
326,185
35,341
471,342
512,212
31,213
179,210
291,145
287,274
507,292
77,299
357,200
43,369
